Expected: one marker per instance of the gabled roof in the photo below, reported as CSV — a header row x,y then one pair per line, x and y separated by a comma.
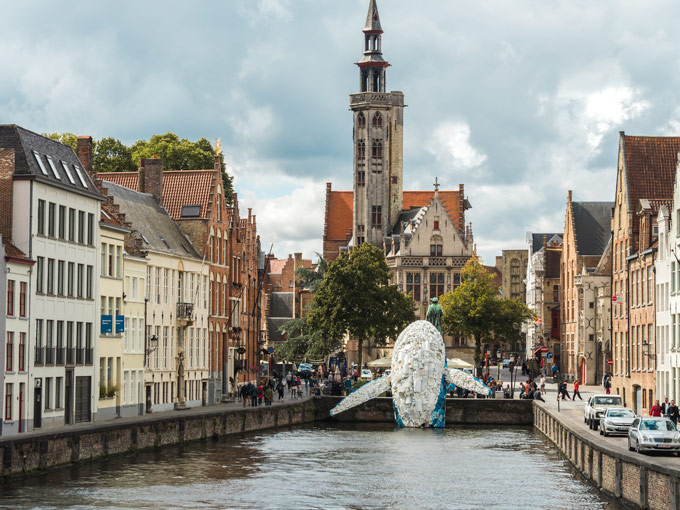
x,y
276,265
12,251
31,161
281,305
180,188
158,230
592,226
537,240
650,163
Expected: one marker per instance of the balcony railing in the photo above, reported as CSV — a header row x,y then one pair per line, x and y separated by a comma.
x,y
61,355
88,356
39,355
185,311
49,356
70,356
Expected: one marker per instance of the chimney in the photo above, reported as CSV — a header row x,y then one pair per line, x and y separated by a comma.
x,y
6,192
84,150
151,177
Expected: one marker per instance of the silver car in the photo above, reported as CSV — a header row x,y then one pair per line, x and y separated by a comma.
x,y
653,434
616,420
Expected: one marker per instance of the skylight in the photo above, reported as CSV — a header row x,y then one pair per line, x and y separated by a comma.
x,y
80,176
40,163
191,211
53,167
68,172
165,243
144,237
106,214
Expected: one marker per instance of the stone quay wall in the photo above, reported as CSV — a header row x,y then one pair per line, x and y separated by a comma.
x,y
23,454
636,479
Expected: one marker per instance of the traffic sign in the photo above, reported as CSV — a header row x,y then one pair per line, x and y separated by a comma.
x,y
610,362
544,348
270,350
550,355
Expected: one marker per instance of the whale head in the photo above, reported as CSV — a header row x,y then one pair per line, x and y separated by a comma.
x,y
418,362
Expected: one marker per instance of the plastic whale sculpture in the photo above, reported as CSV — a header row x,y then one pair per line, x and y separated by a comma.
x,y
419,379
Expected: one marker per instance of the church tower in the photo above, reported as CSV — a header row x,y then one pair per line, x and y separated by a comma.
x,y
378,142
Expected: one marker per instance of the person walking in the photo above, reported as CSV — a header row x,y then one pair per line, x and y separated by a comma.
x,y
243,393
554,371
665,406
253,394
542,381
348,385
280,388
608,384
576,391
260,395
655,410
564,391
673,412
268,396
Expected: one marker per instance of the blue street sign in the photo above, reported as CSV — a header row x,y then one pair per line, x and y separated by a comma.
x,y
120,323
107,324
549,355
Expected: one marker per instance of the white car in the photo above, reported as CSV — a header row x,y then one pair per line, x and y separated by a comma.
x,y
653,434
596,406
616,420
366,374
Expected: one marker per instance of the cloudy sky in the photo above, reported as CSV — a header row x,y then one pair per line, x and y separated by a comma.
x,y
519,100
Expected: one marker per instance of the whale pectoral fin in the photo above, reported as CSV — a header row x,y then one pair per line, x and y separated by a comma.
x,y
361,395
466,381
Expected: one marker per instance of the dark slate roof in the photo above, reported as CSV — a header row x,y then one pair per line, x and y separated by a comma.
x,y
273,325
592,226
282,305
537,240
159,231
405,217
24,142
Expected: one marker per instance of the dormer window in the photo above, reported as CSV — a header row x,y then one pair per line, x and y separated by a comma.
x,y
377,120
39,160
50,161
80,176
68,172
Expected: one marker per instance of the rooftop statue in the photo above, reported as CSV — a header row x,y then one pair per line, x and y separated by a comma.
x,y
434,314
419,379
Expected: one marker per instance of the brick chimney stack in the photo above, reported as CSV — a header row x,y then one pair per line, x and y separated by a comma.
x,y
84,151
6,192
151,177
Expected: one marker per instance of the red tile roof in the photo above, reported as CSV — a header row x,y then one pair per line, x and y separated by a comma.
x,y
12,251
180,187
341,209
650,166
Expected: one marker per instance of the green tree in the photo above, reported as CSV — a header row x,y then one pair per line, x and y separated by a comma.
x,y
112,155
311,278
475,309
355,298
176,153
66,138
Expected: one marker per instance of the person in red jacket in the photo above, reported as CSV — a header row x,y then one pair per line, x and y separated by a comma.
x,y
576,392
655,410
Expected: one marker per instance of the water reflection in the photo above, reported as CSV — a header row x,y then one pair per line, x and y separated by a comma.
x,y
325,466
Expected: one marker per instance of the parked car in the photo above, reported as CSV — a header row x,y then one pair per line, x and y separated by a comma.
x,y
506,363
616,420
596,406
653,434
366,374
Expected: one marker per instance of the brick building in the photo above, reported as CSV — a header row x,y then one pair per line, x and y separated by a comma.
x,y
513,267
585,318
644,182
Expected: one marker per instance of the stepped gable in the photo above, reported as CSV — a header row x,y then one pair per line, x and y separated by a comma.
x,y
180,188
592,226
650,163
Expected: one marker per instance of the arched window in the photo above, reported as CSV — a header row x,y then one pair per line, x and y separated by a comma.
x,y
377,149
436,246
377,120
361,120
361,149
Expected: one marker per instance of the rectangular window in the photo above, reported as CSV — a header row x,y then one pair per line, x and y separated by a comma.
x,y
90,271
60,343
51,219
81,280
376,216
158,286
81,227
9,387
71,275
90,229
110,261
62,222
39,276
60,277
50,276
39,160
436,285
71,224
148,282
9,352
436,250
22,352
41,217
10,297
57,392
103,261
361,178
48,392
165,286
436,224
23,289
118,259
49,345
456,280
413,285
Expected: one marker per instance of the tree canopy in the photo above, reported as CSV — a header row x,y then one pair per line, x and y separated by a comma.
x,y
355,298
475,309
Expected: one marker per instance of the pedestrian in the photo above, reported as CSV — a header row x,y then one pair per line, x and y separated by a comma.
x,y
673,412
260,395
564,391
307,384
537,396
554,371
281,388
268,396
655,410
608,385
252,390
348,385
576,391
665,406
542,380
243,393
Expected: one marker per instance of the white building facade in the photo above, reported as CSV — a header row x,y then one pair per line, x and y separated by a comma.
x,y
667,298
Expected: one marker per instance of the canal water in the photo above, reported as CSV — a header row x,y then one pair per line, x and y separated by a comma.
x,y
330,466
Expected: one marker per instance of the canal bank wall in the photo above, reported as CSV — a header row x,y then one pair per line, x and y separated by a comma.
x,y
35,451
636,479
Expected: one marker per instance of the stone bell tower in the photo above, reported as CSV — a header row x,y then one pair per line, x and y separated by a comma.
x,y
378,142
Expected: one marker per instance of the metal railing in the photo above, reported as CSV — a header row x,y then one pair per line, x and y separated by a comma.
x,y
60,355
185,311
49,356
39,355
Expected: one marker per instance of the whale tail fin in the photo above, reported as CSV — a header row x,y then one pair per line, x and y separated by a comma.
x,y
466,381
361,395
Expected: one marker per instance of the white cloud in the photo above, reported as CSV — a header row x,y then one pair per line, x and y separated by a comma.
x,y
259,10
450,144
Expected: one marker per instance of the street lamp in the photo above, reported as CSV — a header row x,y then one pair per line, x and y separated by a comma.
x,y
151,346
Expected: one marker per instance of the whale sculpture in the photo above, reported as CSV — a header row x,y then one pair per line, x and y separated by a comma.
x,y
419,379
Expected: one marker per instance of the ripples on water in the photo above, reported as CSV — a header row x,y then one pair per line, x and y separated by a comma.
x,y
325,466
